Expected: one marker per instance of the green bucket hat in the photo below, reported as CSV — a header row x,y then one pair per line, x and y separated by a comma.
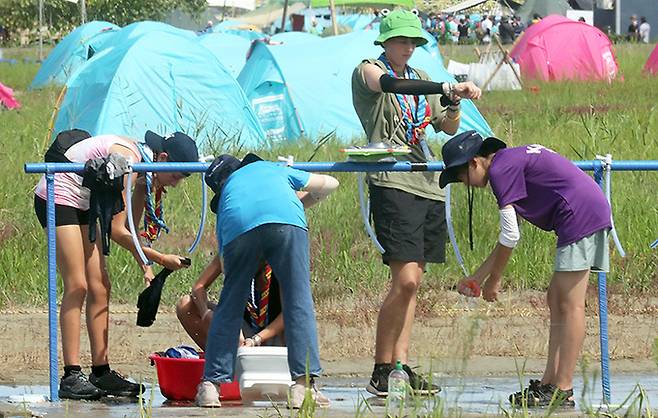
x,y
400,22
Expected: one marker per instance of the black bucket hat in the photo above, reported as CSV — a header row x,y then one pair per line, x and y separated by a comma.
x,y
460,149
179,146
219,171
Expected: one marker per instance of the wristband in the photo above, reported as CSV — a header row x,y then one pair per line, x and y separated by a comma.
x,y
257,339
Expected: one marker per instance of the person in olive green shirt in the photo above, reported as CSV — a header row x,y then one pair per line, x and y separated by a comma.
x,y
395,104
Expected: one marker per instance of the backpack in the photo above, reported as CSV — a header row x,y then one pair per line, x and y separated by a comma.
x,y
62,143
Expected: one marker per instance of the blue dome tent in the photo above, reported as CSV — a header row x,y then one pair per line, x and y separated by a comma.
x,y
137,29
160,81
311,96
231,50
294,37
235,27
72,52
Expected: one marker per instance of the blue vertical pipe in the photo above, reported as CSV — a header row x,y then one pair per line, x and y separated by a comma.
x,y
603,313
52,285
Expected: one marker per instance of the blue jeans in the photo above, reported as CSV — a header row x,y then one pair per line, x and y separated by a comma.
x,y
286,249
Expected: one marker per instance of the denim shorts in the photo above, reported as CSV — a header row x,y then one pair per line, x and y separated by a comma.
x,y
591,252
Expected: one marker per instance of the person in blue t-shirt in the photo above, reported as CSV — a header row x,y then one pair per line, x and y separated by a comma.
x,y
259,217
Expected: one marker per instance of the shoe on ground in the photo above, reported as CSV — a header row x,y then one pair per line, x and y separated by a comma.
x,y
113,384
207,395
299,392
517,398
77,386
378,384
541,396
419,385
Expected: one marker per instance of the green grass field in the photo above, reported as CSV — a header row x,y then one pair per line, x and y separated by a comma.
x,y
576,119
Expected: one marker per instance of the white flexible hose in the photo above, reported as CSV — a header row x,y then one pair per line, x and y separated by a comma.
x,y
365,210
607,166
131,222
202,224
451,230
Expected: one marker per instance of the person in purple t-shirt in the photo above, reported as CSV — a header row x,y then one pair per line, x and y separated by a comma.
x,y
553,194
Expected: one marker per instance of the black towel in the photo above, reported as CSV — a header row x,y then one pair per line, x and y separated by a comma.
x,y
149,300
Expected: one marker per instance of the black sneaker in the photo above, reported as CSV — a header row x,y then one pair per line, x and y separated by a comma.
x,y
77,386
378,384
112,383
419,385
548,395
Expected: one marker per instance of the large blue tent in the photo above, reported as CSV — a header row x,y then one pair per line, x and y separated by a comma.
x,y
305,89
161,81
72,52
231,50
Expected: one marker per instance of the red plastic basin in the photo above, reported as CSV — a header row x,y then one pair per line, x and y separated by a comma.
x,y
178,378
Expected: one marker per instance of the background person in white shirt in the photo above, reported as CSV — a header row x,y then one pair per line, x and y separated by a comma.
x,y
645,30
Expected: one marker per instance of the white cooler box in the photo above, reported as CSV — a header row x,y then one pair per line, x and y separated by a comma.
x,y
263,373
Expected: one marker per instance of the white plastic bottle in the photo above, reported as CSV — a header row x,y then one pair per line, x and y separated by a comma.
x,y
398,382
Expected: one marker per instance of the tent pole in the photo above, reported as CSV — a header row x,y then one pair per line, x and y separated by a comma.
x,y
40,30
83,11
334,25
283,16
618,17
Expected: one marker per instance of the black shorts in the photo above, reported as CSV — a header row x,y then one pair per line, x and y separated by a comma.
x,y
409,227
64,215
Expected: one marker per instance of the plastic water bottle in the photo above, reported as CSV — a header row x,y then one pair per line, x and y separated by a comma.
x,y
398,381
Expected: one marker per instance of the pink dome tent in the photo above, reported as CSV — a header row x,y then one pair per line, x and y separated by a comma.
x,y
651,67
557,48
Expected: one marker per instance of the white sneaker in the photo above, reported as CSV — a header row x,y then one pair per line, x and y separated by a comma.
x,y
298,393
207,395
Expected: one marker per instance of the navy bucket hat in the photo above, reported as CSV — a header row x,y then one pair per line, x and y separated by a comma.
x,y
220,170
460,149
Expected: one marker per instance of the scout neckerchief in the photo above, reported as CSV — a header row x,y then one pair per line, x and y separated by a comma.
x,y
154,212
258,314
414,122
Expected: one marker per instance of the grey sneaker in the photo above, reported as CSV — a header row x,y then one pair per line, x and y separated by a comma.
x,y
298,392
207,395
77,386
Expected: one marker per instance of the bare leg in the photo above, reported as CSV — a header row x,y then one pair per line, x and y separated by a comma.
x,y
571,289
71,263
98,299
553,335
396,315
188,315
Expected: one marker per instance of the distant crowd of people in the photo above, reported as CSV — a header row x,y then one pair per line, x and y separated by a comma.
x,y
468,29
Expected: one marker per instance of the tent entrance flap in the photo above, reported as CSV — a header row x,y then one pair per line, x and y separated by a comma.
x,y
276,113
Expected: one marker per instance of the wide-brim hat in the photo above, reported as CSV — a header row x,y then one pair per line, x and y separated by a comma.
x,y
400,23
220,170
460,149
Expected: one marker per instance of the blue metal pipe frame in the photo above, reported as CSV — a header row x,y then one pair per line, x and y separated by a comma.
x,y
50,168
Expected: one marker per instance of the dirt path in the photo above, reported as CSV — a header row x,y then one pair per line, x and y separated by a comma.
x,y
460,338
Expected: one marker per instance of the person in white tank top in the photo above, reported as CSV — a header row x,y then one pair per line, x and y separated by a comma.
x,y
81,263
